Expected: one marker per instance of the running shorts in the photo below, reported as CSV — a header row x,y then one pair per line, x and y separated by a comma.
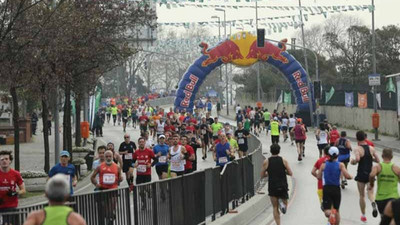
x,y
161,169
331,197
141,179
382,204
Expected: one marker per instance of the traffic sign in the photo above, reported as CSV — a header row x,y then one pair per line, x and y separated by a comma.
x,y
374,79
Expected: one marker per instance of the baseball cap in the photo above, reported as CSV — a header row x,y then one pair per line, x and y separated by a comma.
x,y
333,151
64,153
162,136
275,118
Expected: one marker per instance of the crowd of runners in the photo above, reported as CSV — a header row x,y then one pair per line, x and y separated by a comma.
x,y
169,141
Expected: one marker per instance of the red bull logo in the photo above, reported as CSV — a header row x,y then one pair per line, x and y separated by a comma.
x,y
269,50
227,51
189,88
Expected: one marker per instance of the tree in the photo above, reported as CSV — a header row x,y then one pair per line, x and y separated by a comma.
x,y
387,49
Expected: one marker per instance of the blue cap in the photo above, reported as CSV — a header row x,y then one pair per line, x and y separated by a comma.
x,y
64,153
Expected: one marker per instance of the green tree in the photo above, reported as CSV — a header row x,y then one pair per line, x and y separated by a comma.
x,y
387,49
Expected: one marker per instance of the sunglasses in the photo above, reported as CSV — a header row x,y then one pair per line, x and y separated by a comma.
x,y
126,137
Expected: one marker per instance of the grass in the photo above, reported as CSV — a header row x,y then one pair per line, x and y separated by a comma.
x,y
29,194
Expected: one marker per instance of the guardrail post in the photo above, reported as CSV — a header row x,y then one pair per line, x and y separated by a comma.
x,y
154,206
135,205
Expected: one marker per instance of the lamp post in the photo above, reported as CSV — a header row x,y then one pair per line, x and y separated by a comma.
x,y
258,63
374,64
226,67
219,36
306,62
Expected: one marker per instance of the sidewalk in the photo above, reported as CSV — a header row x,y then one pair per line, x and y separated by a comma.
x,y
384,141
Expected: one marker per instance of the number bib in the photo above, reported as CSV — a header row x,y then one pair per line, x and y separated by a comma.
x,y
142,168
162,159
223,160
108,178
241,141
203,131
128,156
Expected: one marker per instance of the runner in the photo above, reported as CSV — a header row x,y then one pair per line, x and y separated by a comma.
x,y
195,142
364,155
315,171
124,115
392,213
101,158
388,178
142,159
160,125
177,156
292,124
300,137
143,120
284,126
234,145
126,149
239,117
275,131
344,146
109,173
241,136
190,157
257,120
204,137
57,192
10,179
322,137
330,174
276,168
117,156
161,152
66,169
108,110
222,152
333,136
216,127
114,112
134,114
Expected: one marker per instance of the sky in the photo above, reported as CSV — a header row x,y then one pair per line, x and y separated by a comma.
x,y
386,13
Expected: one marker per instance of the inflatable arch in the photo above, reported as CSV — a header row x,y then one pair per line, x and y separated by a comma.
x,y
241,50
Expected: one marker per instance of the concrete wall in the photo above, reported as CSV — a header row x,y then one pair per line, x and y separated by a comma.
x,y
353,118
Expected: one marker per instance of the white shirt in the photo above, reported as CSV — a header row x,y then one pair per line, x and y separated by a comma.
x,y
177,164
285,122
292,122
237,109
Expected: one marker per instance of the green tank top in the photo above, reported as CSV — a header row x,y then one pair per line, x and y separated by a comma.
x,y
275,128
114,110
387,183
56,215
247,124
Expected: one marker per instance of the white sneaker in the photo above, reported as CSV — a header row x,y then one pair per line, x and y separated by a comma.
x,y
282,206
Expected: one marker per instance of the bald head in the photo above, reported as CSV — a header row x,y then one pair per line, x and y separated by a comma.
x,y
109,157
57,188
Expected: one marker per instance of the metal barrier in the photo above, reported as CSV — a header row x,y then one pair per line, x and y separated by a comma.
x,y
98,208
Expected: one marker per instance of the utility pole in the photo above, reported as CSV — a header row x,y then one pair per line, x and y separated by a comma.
x,y
258,63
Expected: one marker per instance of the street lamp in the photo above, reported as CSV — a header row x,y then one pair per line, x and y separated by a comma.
x,y
219,36
226,67
374,64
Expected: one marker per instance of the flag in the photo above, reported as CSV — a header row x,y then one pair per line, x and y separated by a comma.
x,y
280,98
379,99
362,101
349,99
390,86
287,97
328,95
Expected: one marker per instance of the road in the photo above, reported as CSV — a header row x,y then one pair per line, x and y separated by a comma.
x,y
304,206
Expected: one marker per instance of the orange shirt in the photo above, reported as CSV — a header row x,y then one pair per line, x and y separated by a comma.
x,y
108,176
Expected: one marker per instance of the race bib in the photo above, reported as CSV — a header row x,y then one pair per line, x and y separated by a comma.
x,y
142,168
125,118
128,156
241,141
162,159
108,178
203,131
223,160
142,122
176,164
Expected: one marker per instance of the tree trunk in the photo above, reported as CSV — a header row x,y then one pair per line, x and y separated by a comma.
x,y
67,119
78,102
45,117
13,92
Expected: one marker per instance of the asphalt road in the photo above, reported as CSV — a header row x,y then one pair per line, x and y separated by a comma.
x,y
304,206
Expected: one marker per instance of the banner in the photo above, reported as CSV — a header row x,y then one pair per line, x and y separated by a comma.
x,y
379,99
398,96
287,97
349,99
362,101
328,95
390,86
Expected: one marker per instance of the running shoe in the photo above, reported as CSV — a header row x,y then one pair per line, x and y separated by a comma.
x,y
299,158
363,218
282,206
332,217
374,210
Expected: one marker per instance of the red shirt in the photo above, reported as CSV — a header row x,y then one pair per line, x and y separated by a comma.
x,y
169,128
170,115
193,120
370,143
143,120
182,117
9,181
189,164
143,158
108,176
334,136
318,165
190,128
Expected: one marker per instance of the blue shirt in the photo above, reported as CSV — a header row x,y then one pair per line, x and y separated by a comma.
x,y
331,174
209,105
67,170
164,152
222,157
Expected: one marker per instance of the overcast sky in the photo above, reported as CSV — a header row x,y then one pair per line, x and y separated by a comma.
x,y
386,12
